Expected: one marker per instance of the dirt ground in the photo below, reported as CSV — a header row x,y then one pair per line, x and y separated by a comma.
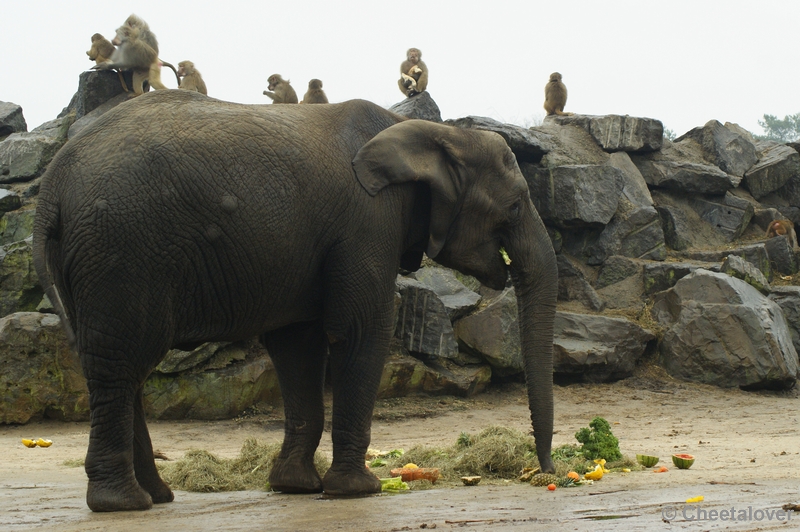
x,y
746,446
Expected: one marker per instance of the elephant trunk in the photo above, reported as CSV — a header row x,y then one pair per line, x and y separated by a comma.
x,y
534,273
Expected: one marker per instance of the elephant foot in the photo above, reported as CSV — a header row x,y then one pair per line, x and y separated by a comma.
x,y
101,497
547,465
289,476
158,490
350,482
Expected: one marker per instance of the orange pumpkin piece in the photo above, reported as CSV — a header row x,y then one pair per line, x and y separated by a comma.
x,y
573,475
419,473
662,469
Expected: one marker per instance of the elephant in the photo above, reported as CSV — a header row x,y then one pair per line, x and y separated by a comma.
x,y
176,219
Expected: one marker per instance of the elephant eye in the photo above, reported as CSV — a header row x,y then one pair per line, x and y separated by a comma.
x,y
514,211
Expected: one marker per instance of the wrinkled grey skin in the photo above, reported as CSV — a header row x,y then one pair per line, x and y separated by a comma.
x,y
177,219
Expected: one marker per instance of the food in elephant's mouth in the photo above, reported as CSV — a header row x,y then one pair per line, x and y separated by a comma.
x,y
506,258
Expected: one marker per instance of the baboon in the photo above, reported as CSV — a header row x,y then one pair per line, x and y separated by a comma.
x,y
283,91
413,73
101,50
191,78
783,227
137,50
315,94
555,96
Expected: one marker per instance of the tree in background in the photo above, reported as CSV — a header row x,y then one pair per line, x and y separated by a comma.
x,y
785,130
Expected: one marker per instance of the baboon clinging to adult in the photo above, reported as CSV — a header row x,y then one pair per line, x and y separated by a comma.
x,y
555,95
101,50
783,227
280,90
315,94
191,78
137,50
413,73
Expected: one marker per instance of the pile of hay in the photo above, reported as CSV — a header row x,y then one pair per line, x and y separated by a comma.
x,y
202,471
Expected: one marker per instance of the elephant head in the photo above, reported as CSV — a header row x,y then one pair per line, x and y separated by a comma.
x,y
479,204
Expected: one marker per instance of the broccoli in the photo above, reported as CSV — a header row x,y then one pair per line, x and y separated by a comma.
x,y
599,442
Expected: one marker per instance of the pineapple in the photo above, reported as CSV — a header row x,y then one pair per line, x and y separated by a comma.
x,y
543,479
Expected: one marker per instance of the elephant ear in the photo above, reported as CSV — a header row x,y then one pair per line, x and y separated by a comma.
x,y
416,150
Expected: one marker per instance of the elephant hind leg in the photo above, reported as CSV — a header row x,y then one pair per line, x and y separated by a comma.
x,y
298,352
144,464
109,461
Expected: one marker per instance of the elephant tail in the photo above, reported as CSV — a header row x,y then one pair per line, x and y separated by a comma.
x,y
48,259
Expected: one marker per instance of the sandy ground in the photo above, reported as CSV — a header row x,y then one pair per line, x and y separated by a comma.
x,y
746,446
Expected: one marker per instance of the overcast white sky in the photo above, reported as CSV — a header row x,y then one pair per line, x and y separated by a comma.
x,y
683,62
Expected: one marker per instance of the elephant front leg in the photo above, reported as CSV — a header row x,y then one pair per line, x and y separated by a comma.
x,y
144,464
298,352
109,460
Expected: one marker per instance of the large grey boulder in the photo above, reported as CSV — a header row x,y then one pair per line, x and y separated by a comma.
x,y
177,360
40,376
741,269
405,375
492,333
723,147
96,87
231,381
575,195
569,145
777,163
24,156
616,269
528,145
19,285
722,331
9,201
782,257
756,254
663,276
674,223
423,323
11,119
788,297
597,348
458,300
573,286
420,106
729,214
617,132
636,233
17,225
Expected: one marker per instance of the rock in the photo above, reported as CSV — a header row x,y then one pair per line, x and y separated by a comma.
x,y
219,393
575,195
616,269
741,269
729,214
419,106
96,87
722,331
782,257
529,145
573,286
16,225
636,234
788,298
723,147
663,276
11,119
40,376
763,217
597,348
685,176
177,360
755,254
458,300
777,164
569,145
405,375
616,132
10,201
492,333
423,324
19,284
677,231
24,156
635,193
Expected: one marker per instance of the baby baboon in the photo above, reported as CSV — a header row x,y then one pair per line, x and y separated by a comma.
x,y
555,96
413,73
101,49
191,78
315,94
283,91
783,227
137,50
